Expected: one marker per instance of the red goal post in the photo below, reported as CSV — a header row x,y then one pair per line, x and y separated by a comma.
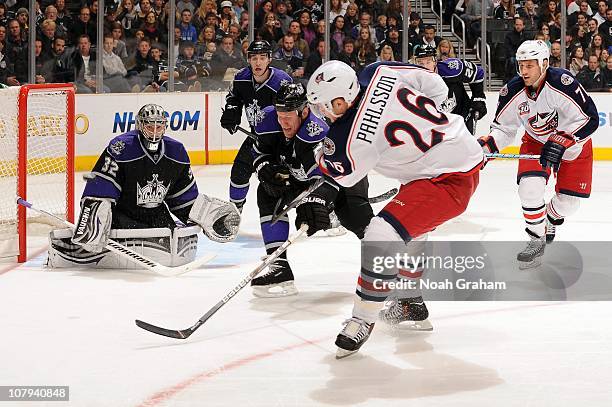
x,y
36,159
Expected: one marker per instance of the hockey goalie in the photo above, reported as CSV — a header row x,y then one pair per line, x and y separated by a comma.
x,y
142,194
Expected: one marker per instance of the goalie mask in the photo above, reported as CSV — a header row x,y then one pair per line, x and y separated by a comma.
x,y
151,123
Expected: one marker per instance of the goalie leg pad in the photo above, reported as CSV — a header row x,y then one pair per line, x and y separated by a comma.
x,y
219,219
93,227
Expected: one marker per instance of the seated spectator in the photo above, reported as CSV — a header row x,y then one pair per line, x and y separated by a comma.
x,y
381,28
227,12
226,57
316,57
472,17
16,55
151,28
128,17
511,43
337,31
114,70
296,32
84,65
603,58
529,13
315,10
119,47
430,39
351,17
555,54
364,50
373,7
348,53
605,28
584,10
365,21
545,31
264,7
207,36
590,76
548,12
596,46
271,30
47,34
291,55
577,61
393,40
188,30
385,54
592,26
43,69
319,33
283,17
445,50
143,8
62,71
505,10
415,30
191,68
306,26
602,7
84,26
140,66
335,9
606,73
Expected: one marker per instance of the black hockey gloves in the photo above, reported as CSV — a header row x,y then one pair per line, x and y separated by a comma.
x,y
553,149
313,212
479,106
274,178
231,117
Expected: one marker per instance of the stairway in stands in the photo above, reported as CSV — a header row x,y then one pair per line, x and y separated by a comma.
x,y
429,17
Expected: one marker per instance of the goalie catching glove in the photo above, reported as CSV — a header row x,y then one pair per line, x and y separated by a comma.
x,y
219,219
94,225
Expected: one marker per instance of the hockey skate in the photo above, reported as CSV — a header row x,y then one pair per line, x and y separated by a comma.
x,y
277,282
531,256
551,228
406,313
336,229
355,332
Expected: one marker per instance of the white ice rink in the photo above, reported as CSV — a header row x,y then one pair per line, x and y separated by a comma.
x,y
76,328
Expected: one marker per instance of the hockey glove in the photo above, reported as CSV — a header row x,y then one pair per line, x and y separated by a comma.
x,y
93,227
274,178
488,144
231,117
313,212
479,106
219,219
553,149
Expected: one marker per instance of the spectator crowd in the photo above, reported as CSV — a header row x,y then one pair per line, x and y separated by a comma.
x,y
210,38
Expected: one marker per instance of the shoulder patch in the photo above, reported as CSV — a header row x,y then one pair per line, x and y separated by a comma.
x,y
453,64
117,147
566,79
313,129
503,91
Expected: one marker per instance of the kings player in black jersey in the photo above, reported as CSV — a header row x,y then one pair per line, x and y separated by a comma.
x,y
253,88
141,182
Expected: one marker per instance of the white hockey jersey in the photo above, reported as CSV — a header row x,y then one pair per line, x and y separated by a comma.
x,y
560,103
397,130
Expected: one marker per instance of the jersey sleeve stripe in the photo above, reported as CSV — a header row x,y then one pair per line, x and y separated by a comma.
x,y
182,191
586,117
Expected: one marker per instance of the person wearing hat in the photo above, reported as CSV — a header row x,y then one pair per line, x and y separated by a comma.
x,y
393,40
415,30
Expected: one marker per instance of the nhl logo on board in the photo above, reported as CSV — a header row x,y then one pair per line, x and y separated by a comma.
x,y
566,79
503,91
329,147
117,147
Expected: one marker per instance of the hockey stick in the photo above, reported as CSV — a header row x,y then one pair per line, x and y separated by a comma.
x,y
383,197
513,156
248,133
185,333
297,200
128,253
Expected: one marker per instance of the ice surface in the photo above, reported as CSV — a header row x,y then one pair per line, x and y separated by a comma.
x,y
76,328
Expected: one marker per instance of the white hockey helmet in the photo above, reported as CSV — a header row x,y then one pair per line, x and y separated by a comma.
x,y
533,49
151,123
332,80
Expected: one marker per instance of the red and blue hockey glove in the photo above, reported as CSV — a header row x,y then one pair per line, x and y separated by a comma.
x,y
553,149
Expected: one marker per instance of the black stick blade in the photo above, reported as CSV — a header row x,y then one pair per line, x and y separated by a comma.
x,y
171,333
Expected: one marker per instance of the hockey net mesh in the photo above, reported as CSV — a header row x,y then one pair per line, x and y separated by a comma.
x,y
47,145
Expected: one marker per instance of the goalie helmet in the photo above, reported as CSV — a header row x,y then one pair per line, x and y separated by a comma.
x,y
151,123
290,97
332,80
533,49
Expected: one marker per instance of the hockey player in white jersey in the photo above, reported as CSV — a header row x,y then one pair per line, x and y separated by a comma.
x,y
559,118
398,131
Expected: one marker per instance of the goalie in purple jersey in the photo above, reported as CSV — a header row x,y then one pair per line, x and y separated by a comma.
x,y
140,184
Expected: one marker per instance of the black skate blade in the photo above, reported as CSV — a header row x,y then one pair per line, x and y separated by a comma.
x,y
171,333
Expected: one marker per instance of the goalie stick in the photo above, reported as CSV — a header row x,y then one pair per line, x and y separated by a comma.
x,y
128,253
185,333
